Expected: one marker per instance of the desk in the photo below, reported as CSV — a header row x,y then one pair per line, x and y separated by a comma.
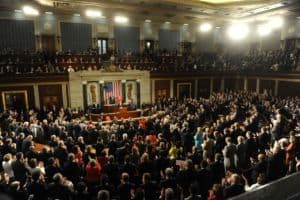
x,y
119,115
110,108
113,108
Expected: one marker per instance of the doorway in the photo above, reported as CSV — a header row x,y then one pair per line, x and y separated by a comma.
x,y
149,46
48,43
102,44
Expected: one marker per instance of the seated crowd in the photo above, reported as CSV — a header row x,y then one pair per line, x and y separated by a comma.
x,y
14,62
211,149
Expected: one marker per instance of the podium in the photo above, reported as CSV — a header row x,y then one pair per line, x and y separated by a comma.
x,y
110,108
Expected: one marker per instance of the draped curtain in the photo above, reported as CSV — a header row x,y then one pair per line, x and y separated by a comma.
x,y
127,38
168,39
76,36
17,34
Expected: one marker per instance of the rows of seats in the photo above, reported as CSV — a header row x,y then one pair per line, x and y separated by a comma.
x,y
41,62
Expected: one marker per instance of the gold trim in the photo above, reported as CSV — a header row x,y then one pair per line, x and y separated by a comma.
x,y
190,89
4,93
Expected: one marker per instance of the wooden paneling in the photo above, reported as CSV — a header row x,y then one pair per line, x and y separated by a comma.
x,y
268,85
288,88
50,95
33,78
203,87
28,89
233,84
217,85
48,43
251,84
180,84
162,88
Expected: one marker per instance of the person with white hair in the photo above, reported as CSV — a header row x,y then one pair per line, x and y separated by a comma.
x,y
6,165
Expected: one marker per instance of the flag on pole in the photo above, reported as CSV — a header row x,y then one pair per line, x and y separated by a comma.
x,y
112,90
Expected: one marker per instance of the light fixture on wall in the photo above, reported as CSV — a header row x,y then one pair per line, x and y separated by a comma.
x,y
264,30
167,22
93,13
276,22
238,31
205,27
76,15
49,13
185,24
148,21
28,10
121,19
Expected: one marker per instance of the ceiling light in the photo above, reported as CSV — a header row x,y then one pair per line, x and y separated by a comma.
x,y
205,27
93,13
49,13
148,21
276,22
28,10
18,11
185,24
121,19
167,22
218,27
264,30
238,31
76,15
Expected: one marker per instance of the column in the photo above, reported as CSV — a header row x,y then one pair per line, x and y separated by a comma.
x,y
123,91
138,91
64,95
196,89
36,95
222,84
257,85
211,88
84,91
101,97
153,91
172,88
276,87
245,83
58,45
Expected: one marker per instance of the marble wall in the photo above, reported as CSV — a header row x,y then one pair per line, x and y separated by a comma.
x,y
78,79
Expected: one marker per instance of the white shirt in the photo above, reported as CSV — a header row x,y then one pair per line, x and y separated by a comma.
x,y
8,168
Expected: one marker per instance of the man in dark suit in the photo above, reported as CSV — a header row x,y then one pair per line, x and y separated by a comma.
x,y
276,165
60,152
235,187
71,169
217,169
204,179
20,169
125,189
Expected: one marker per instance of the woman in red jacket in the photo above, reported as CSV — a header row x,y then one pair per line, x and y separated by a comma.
x,y
290,153
93,172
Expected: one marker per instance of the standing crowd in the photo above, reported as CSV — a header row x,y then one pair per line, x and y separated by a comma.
x,y
212,149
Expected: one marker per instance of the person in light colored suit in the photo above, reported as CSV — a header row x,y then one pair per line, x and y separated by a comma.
x,y
229,153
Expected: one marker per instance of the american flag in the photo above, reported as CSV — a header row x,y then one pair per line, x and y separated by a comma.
x,y
112,89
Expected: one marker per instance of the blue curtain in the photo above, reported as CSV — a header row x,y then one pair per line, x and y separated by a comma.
x,y
127,38
76,36
168,39
17,34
